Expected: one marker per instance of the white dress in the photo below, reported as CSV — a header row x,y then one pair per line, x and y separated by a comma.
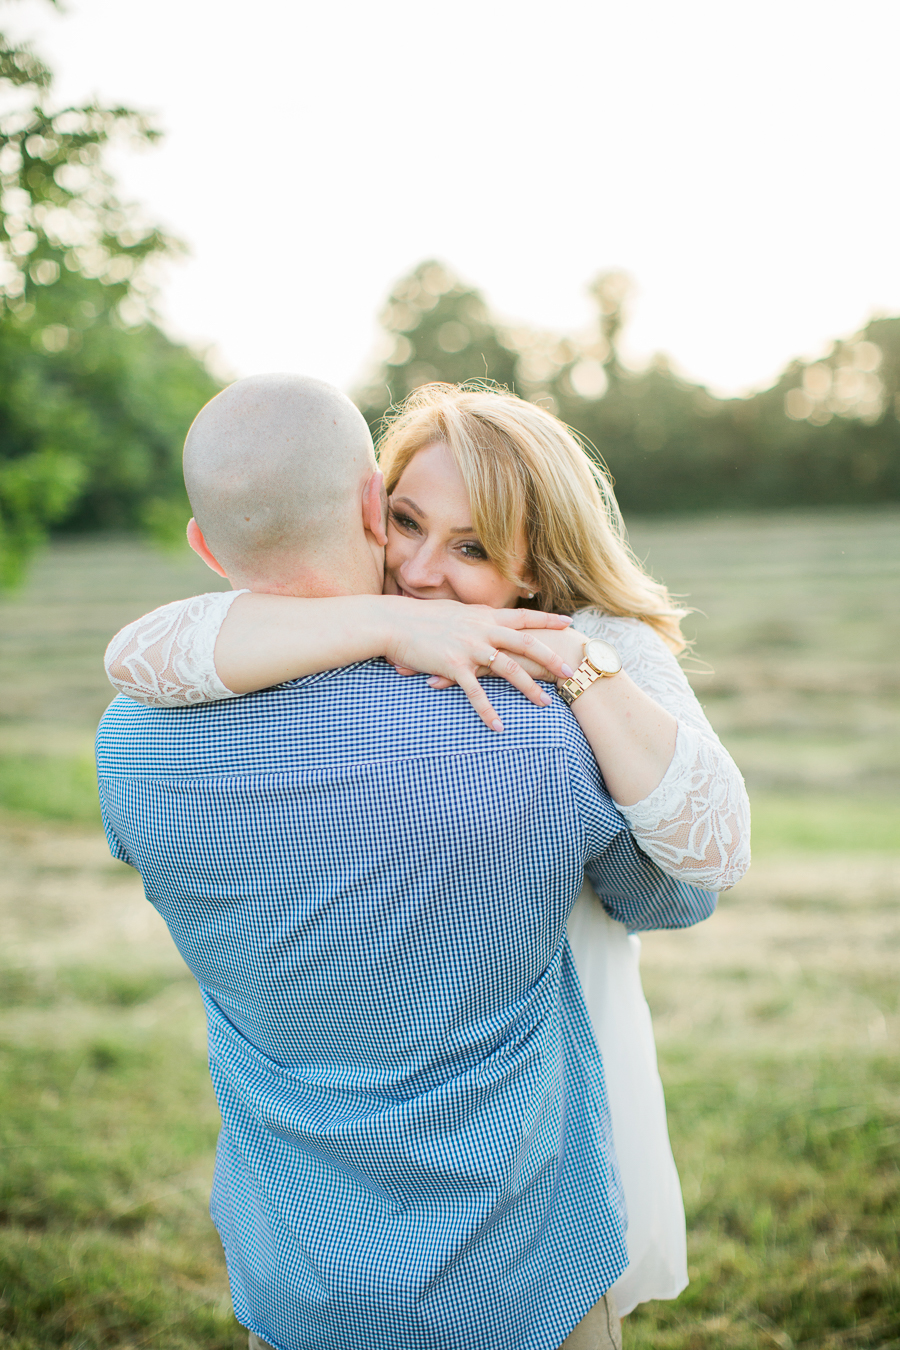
x,y
694,825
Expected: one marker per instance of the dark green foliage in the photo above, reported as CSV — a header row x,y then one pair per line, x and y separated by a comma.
x,y
824,434
94,399
111,408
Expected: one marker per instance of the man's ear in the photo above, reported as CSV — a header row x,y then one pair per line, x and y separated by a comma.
x,y
198,544
375,508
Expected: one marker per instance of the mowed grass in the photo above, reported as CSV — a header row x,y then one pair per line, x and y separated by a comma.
x,y
824,823
776,1023
105,1165
789,1170
54,787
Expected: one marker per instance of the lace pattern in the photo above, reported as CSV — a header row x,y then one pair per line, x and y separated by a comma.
x,y
696,823
167,658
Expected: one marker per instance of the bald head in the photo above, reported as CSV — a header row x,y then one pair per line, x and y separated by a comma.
x,y
275,467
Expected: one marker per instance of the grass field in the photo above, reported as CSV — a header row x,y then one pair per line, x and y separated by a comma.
x,y
777,1022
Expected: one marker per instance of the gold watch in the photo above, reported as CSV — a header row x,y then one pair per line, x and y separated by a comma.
x,y
600,661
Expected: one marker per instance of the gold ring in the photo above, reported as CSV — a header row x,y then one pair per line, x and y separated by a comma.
x,y
494,655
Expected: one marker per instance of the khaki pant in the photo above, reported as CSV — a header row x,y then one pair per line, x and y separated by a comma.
x,y
600,1330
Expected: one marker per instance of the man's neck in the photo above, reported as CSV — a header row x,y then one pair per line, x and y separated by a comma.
x,y
309,583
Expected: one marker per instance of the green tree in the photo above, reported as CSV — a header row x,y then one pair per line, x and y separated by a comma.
x,y
94,399
663,439
435,328
826,433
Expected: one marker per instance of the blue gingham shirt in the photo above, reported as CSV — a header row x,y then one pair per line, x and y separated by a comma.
x,y
372,890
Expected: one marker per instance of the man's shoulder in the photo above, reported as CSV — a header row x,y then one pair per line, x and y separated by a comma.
x,y
355,714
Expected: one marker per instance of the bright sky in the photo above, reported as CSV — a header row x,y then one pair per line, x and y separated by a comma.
x,y
739,160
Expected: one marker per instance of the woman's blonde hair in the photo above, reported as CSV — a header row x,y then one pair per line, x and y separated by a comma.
x,y
523,467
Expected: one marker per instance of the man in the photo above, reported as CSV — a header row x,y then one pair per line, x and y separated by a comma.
x,y
372,891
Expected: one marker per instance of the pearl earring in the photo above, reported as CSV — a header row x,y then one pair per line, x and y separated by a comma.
x,y
529,595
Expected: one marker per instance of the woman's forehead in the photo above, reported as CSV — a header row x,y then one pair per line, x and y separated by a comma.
x,y
433,480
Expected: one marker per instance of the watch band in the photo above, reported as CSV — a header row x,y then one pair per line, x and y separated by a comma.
x,y
587,674
581,681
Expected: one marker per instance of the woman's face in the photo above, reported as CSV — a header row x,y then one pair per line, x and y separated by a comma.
x,y
433,553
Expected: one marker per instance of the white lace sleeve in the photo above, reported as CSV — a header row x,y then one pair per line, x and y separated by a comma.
x,y
167,657
696,823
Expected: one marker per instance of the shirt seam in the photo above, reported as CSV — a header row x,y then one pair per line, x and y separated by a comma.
x,y
267,772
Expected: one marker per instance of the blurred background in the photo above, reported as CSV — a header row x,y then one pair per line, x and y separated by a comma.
x,y
675,227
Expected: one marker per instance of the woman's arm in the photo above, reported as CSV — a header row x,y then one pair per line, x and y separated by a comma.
x,y
632,737
695,821
165,658
225,644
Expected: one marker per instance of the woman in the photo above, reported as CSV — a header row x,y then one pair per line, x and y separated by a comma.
x,y
492,502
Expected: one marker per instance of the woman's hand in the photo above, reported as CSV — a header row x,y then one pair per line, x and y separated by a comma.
x,y
457,644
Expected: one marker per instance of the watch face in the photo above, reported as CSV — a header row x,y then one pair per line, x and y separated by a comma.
x,y
602,656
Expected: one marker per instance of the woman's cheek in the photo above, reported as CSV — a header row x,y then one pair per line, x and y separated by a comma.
x,y
391,551
394,556
474,587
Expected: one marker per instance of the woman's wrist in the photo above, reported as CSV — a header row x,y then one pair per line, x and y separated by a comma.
x,y
569,643
374,622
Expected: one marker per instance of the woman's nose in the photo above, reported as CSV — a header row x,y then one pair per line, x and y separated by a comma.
x,y
422,568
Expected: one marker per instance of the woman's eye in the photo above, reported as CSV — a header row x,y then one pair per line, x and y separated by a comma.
x,y
473,551
403,522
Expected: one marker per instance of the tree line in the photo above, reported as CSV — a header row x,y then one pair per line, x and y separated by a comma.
x,y
826,433
95,399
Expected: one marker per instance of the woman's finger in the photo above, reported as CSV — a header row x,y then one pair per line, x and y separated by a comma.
x,y
509,669
531,618
525,644
523,673
535,669
479,700
503,666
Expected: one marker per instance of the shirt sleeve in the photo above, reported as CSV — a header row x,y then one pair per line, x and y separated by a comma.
x,y
696,822
639,894
167,658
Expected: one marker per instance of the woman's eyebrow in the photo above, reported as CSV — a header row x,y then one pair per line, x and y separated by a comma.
x,y
454,529
409,502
